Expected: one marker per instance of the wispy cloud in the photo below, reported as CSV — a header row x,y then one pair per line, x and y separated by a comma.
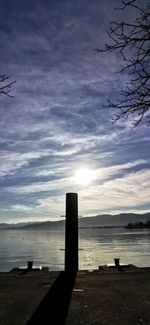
x,y
121,194
56,123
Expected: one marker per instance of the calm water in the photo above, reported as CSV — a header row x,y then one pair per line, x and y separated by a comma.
x,y
98,247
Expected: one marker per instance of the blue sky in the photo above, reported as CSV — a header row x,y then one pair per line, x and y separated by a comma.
x,y
56,124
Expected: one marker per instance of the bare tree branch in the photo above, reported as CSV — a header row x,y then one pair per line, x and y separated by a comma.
x,y
132,41
5,85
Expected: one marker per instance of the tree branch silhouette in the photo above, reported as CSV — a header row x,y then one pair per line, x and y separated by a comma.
x,y
5,85
132,41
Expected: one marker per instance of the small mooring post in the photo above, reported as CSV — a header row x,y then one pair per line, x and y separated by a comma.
x,y
71,233
29,265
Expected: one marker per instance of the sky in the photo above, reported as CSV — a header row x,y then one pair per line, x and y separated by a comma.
x,y
56,124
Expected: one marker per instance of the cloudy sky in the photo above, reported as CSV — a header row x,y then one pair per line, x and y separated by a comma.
x,y
55,124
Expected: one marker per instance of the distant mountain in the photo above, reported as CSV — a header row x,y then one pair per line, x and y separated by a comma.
x,y
20,225
107,220
3,225
46,225
104,220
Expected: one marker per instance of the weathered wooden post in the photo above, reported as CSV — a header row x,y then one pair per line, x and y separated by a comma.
x,y
71,233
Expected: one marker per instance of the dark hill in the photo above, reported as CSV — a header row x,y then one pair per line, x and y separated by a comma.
x,y
105,220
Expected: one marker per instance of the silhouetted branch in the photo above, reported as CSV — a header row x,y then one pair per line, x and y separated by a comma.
x,y
132,41
5,85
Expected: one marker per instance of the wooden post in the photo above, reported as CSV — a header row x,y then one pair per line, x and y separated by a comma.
x,y
71,233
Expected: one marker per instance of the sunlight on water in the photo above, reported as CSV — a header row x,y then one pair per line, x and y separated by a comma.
x,y
97,247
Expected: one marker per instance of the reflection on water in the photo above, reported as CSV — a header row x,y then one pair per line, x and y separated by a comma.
x,y
98,247
43,247
131,246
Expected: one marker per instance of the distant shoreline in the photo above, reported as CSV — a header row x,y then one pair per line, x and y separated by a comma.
x,y
60,228
139,225
100,227
104,221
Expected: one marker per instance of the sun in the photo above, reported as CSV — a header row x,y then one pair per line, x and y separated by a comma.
x,y
84,176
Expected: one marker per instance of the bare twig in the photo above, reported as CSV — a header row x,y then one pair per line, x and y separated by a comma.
x,y
132,41
5,85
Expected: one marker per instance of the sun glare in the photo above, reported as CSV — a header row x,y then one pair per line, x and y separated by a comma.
x,y
84,176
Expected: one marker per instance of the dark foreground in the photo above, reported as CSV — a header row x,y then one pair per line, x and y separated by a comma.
x,y
105,297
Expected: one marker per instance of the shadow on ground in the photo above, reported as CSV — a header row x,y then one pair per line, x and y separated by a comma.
x,y
54,307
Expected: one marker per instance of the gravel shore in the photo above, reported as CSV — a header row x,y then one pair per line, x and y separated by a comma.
x,y
105,297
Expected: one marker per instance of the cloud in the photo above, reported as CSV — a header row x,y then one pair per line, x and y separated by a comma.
x,y
10,161
115,187
121,194
56,123
21,208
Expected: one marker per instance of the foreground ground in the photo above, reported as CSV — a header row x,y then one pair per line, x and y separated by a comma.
x,y
105,297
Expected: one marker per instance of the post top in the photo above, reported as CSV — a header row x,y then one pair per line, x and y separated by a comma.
x,y
72,193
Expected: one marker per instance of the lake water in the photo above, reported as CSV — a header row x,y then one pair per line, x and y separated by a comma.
x,y
98,247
